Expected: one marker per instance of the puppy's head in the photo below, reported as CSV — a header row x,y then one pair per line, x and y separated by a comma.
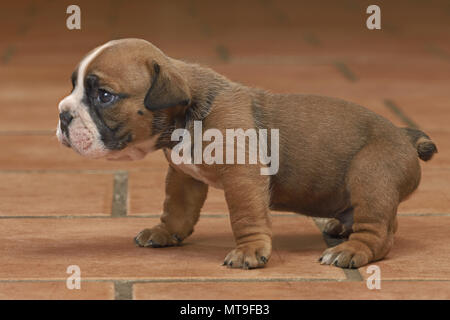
x,y
124,93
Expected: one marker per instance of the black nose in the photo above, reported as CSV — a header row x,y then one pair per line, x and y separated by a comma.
x,y
65,118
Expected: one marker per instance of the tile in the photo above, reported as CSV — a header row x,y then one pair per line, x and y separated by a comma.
x,y
147,194
18,117
215,202
414,80
420,68
302,290
27,152
42,249
56,290
420,251
28,103
47,194
430,111
432,195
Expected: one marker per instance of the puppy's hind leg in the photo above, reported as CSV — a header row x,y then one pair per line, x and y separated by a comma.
x,y
373,185
341,225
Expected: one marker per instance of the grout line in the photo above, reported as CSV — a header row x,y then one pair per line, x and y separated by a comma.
x,y
286,60
28,133
278,15
172,280
218,216
54,217
391,105
423,214
30,14
438,52
192,12
8,53
350,274
391,29
312,39
124,282
50,171
345,71
156,215
123,290
223,53
353,275
107,171
72,171
120,195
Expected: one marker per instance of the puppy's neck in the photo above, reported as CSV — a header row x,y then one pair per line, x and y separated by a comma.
x,y
204,84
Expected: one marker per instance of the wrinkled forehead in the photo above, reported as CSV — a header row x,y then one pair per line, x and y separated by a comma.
x,y
119,65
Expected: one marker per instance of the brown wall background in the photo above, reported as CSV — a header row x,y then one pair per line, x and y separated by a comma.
x,y
285,46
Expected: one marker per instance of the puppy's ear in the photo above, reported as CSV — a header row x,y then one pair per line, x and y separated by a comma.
x,y
168,89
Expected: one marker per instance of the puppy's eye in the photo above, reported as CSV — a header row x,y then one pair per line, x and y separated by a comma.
x,y
105,97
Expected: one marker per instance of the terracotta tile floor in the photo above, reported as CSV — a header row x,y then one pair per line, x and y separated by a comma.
x,y
58,209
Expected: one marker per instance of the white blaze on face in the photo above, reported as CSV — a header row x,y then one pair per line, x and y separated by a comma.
x,y
83,133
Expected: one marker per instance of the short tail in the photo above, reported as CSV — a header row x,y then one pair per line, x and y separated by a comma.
x,y
425,147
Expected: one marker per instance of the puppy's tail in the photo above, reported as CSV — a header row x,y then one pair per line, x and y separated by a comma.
x,y
425,147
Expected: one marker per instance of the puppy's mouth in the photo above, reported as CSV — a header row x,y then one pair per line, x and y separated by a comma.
x,y
88,144
64,141
78,137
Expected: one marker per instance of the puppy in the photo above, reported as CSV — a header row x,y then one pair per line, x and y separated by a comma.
x,y
336,159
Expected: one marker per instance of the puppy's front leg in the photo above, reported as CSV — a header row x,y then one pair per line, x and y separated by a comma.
x,y
184,199
247,196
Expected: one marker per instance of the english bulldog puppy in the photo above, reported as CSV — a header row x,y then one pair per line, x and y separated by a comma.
x,y
336,159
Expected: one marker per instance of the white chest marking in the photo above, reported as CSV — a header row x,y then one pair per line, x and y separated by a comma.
x,y
195,172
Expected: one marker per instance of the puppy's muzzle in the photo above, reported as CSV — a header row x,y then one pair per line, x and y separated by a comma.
x,y
64,119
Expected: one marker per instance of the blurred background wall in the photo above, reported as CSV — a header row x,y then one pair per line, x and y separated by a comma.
x,y
284,46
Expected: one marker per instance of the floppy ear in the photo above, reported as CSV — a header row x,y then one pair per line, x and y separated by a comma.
x,y
168,89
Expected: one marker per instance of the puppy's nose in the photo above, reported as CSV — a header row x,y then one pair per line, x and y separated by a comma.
x,y
65,118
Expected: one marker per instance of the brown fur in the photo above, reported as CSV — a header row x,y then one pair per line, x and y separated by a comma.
x,y
337,159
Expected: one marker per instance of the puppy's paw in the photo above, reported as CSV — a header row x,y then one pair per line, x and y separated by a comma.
x,y
249,256
334,228
156,237
349,254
